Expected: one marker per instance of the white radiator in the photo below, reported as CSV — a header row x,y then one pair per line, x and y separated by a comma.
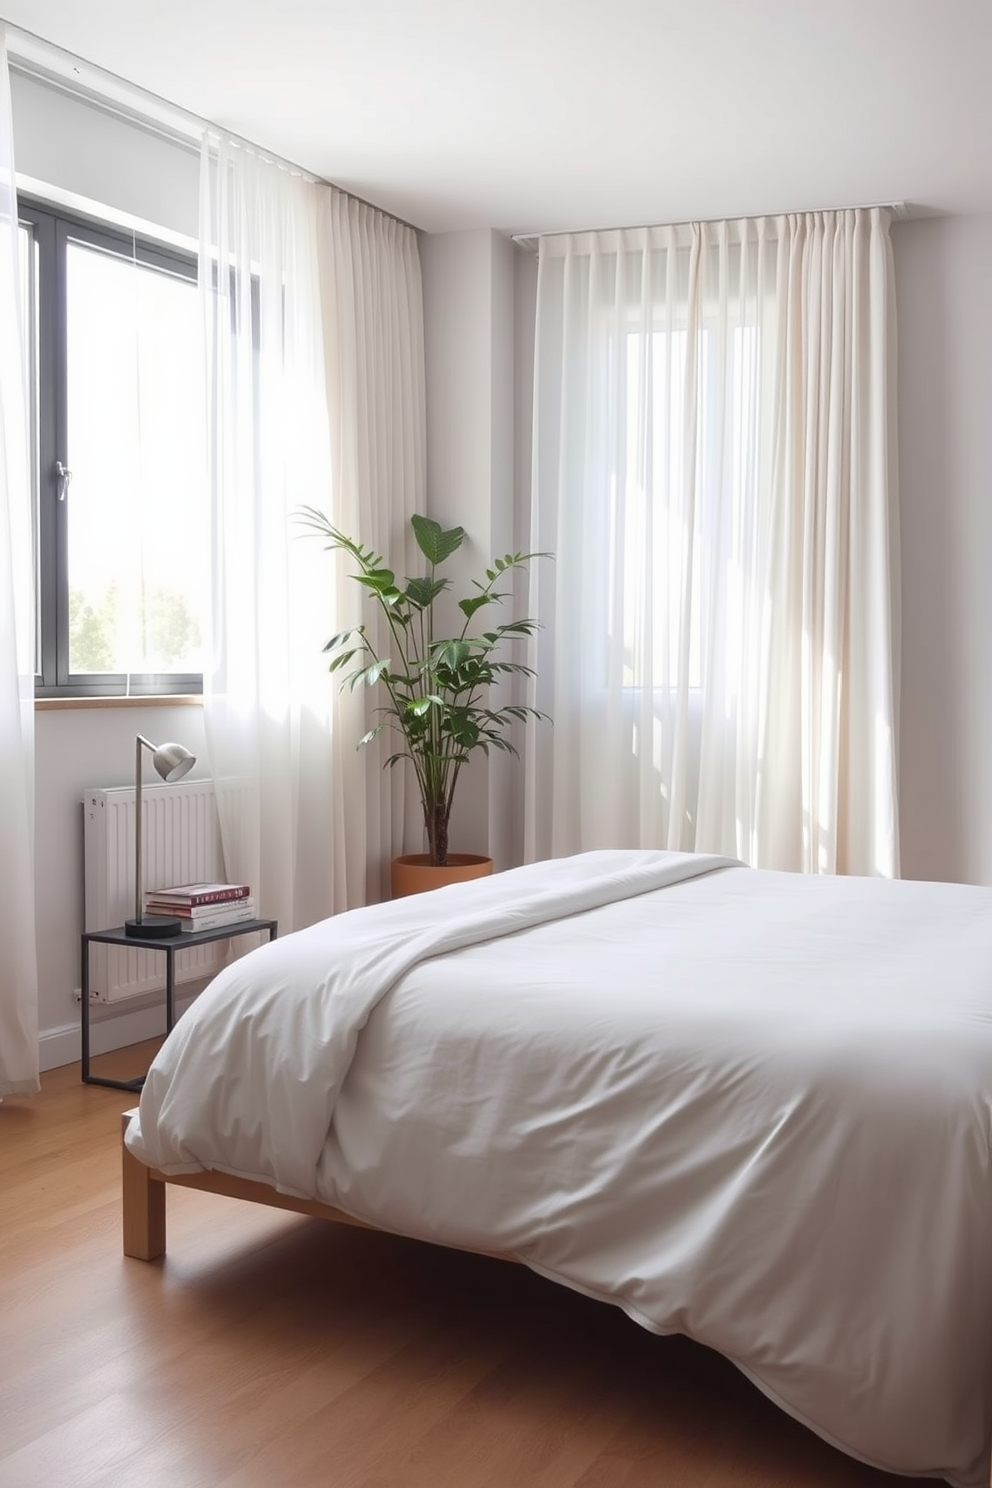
x,y
181,844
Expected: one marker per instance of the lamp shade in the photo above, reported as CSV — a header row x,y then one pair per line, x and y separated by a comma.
x,y
173,761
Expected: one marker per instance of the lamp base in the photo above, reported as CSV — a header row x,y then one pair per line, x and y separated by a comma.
x,y
154,927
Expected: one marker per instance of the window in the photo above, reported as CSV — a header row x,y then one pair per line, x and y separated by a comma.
x,y
119,467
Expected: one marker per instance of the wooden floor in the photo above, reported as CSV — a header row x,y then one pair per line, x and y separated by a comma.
x,y
268,1350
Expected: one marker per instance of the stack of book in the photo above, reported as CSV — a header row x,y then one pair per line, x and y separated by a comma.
x,y
203,906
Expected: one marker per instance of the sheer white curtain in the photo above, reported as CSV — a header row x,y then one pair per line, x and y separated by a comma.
x,y
18,960
267,698
374,353
315,389
714,468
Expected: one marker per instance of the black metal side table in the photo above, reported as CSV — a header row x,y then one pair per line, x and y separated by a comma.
x,y
169,946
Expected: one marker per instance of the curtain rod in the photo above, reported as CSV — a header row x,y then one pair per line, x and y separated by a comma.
x,y
33,57
531,240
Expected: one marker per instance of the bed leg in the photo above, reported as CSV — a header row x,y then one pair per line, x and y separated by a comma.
x,y
144,1205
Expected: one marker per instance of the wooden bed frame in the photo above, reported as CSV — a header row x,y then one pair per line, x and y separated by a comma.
x,y
144,1200
143,1191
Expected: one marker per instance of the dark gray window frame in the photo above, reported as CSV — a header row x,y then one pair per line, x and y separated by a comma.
x,y
52,230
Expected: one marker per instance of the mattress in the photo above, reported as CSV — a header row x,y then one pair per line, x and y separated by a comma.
x,y
749,1107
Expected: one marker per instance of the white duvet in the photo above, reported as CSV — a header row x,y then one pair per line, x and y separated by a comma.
x,y
746,1106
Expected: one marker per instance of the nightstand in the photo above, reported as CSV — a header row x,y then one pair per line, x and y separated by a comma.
x,y
169,947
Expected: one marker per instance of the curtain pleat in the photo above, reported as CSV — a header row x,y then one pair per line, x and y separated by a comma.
x,y
714,469
18,956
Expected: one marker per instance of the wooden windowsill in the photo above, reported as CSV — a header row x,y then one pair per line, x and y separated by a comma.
x,y
183,700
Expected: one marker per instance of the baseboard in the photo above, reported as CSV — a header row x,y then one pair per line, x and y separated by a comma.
x,y
109,1029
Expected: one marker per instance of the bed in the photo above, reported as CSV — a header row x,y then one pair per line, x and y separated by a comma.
x,y
750,1107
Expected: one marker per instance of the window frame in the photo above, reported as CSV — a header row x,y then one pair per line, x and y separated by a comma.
x,y
53,229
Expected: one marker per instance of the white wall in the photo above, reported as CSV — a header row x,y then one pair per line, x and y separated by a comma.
x,y
944,303
82,153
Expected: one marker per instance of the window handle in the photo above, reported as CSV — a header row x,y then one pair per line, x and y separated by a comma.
x,y
64,477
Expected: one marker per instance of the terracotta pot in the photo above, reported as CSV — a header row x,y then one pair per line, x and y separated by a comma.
x,y
413,874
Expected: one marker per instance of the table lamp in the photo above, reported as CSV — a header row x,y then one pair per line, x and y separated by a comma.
x,y
172,762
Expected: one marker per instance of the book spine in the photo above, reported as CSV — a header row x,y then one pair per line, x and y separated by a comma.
x,y
220,896
212,896
215,922
195,911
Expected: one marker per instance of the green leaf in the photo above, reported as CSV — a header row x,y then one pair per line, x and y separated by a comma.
x,y
342,659
341,637
380,580
518,627
364,557
465,732
433,541
423,592
468,607
517,667
370,675
450,654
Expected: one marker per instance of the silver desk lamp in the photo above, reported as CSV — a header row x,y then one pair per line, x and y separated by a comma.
x,y
172,762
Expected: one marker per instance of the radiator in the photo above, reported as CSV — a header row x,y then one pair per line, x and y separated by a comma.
x,y
181,844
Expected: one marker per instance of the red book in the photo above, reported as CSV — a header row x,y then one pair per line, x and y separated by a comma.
x,y
200,893
155,905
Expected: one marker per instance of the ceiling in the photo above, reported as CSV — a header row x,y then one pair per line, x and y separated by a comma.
x,y
544,115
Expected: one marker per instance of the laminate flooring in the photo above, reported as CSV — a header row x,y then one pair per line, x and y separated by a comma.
x,y
268,1350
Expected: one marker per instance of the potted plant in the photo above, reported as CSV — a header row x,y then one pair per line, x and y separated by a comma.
x,y
436,687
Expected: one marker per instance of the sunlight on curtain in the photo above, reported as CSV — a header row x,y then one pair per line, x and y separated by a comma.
x,y
714,466
18,959
267,696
